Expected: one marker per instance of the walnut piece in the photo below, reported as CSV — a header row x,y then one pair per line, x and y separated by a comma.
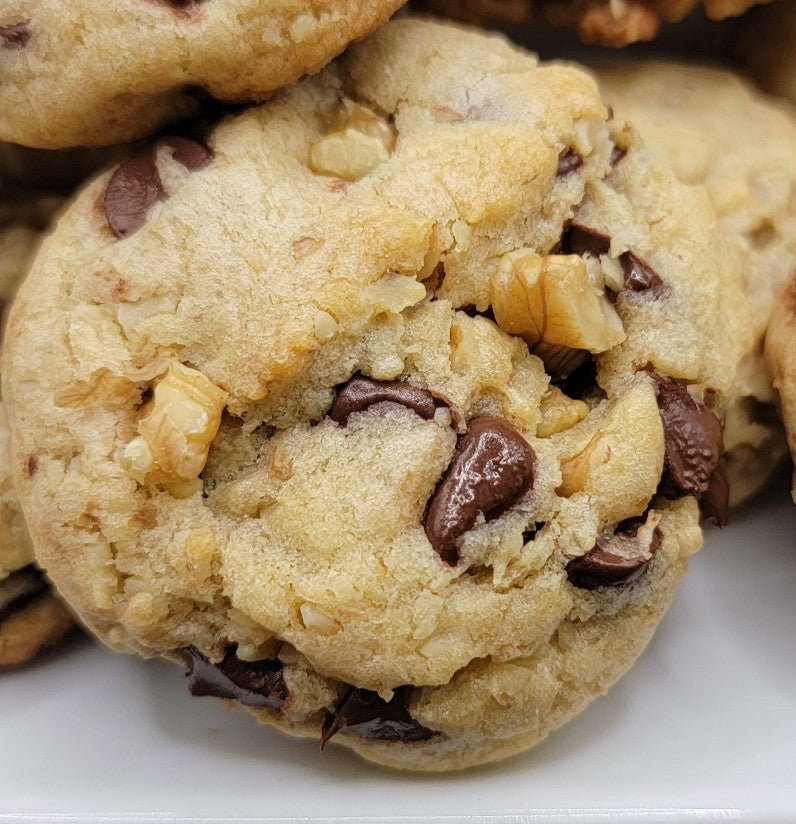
x,y
176,431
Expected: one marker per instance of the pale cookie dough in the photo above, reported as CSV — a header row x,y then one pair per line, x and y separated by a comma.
x,y
85,73
781,357
697,120
374,410
31,617
614,23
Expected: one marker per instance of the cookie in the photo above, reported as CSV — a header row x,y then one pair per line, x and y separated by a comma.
x,y
600,22
696,119
781,358
31,617
93,74
374,410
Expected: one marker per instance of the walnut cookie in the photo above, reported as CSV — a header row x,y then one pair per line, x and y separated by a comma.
x,y
31,617
373,410
696,119
91,74
613,23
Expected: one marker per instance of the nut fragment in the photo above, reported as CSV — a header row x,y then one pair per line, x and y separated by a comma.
x,y
550,299
611,467
558,413
359,141
176,432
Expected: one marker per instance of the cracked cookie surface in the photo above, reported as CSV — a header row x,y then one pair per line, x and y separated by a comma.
x,y
695,120
372,410
93,74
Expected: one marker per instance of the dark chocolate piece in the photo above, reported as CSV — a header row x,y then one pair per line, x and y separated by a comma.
x,y
615,559
360,393
568,162
135,187
363,712
492,468
714,502
15,36
581,240
693,440
253,683
639,277
21,588
33,465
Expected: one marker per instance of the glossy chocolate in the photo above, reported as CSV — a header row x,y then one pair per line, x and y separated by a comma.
x,y
360,393
253,683
363,712
581,240
639,277
615,559
492,468
693,440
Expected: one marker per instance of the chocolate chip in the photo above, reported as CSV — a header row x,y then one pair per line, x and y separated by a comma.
x,y
714,502
253,683
639,277
370,716
615,559
693,440
492,468
617,153
581,240
568,162
33,465
135,187
21,588
15,36
360,393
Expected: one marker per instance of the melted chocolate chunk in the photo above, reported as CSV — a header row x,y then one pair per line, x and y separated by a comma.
x,y
568,162
492,468
19,589
360,393
14,36
135,187
693,440
714,502
581,240
615,559
639,277
253,683
369,716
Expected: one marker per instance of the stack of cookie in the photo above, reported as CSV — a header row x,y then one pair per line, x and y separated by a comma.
x,y
390,407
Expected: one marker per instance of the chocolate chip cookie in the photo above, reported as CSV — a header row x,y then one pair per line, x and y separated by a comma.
x,y
601,22
31,617
388,410
92,74
696,120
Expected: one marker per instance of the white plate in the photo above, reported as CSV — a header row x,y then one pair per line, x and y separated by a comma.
x,y
702,729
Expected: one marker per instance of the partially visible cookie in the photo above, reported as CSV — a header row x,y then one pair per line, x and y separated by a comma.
x,y
390,409
90,74
31,616
602,22
781,357
697,120
764,45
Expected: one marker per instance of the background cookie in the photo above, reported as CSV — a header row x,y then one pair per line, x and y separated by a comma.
x,y
272,380
92,74
31,617
696,120
597,21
